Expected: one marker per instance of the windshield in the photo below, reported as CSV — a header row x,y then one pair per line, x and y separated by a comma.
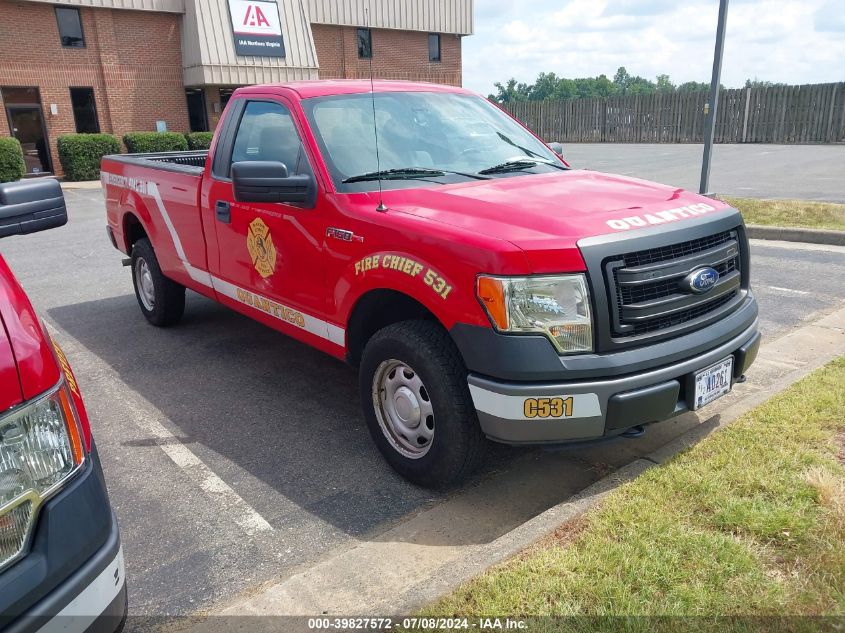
x,y
447,137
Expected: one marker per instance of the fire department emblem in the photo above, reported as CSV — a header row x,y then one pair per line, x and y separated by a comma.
x,y
259,242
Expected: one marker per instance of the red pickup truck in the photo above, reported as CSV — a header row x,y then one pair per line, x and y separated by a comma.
x,y
481,286
61,562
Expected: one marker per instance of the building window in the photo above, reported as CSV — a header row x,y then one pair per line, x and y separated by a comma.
x,y
225,95
197,115
70,27
434,47
365,43
84,110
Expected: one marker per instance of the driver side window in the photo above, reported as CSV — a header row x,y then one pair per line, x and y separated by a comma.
x,y
266,132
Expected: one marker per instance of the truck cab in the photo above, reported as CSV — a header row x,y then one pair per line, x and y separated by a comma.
x,y
61,561
483,289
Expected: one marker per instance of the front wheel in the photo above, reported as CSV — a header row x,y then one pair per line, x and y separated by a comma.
x,y
417,404
161,300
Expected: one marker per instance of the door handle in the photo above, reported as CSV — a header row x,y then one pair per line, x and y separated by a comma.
x,y
224,211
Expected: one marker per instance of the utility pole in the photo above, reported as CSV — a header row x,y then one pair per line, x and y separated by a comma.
x,y
713,103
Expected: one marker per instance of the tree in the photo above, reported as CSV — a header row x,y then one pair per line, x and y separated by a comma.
x,y
510,92
636,85
546,87
621,80
693,86
758,83
550,87
664,84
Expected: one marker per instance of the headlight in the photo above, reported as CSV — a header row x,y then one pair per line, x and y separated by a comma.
x,y
40,447
558,307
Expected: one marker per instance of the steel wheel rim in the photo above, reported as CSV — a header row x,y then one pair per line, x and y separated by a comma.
x,y
144,283
403,408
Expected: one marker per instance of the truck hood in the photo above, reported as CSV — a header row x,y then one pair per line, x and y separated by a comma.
x,y
543,212
27,365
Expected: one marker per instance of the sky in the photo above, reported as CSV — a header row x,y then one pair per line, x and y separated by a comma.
x,y
789,41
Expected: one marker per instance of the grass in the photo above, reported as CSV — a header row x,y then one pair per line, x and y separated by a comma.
x,y
749,522
796,213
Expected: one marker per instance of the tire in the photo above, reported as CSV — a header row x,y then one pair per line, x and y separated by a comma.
x,y
438,384
161,300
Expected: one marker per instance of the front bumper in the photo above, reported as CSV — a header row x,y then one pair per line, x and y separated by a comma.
x,y
92,600
600,406
72,579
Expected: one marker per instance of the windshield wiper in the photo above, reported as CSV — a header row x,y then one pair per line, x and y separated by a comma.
x,y
510,165
515,164
402,173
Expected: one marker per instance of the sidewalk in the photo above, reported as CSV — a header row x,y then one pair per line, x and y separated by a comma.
x,y
85,184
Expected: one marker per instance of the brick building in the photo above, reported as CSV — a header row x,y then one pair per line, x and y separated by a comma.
x,y
140,65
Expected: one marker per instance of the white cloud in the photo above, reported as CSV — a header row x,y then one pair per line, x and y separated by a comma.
x,y
791,41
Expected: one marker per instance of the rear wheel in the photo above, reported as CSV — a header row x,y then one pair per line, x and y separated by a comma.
x,y
161,300
417,404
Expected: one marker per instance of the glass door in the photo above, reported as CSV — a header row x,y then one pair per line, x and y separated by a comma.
x,y
27,125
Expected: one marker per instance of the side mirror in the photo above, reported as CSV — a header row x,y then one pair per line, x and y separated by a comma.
x,y
268,181
28,206
557,148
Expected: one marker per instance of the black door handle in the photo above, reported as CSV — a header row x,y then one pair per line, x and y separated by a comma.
x,y
224,211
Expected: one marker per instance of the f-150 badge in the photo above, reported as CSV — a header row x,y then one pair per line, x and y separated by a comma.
x,y
259,242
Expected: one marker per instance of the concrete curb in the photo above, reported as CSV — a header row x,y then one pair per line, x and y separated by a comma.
x,y
791,234
83,184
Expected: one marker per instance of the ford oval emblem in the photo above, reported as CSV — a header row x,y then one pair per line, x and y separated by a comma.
x,y
700,280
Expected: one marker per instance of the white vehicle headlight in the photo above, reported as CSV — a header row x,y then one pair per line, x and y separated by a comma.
x,y
557,306
40,447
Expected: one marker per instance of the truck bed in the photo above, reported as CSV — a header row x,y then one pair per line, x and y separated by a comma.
x,y
189,162
169,185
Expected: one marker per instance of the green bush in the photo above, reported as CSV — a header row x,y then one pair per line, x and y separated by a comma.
x,y
142,142
199,140
80,154
12,166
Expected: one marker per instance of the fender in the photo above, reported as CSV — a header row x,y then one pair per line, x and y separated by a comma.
x,y
37,370
444,294
131,203
172,265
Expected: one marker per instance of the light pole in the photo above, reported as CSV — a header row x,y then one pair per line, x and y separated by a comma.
x,y
713,103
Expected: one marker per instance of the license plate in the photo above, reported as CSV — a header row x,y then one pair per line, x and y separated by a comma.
x,y
713,382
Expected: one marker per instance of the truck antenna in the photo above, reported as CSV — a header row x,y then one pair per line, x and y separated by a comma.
x,y
381,208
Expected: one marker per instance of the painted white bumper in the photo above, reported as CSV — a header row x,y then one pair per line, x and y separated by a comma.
x,y
86,607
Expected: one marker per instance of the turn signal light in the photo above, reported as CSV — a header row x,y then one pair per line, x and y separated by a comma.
x,y
491,292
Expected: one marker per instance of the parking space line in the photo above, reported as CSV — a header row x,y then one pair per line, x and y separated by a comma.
x,y
797,246
245,515
788,291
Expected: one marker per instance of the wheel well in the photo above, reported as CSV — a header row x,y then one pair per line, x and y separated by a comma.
x,y
378,309
133,230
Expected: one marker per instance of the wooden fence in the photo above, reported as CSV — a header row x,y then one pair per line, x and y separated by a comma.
x,y
812,113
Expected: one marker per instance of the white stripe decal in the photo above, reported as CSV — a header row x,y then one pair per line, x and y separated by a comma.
x,y
318,327
91,602
584,405
197,274
282,312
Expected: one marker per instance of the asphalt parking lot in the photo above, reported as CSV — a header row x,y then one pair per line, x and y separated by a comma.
x,y
803,172
234,454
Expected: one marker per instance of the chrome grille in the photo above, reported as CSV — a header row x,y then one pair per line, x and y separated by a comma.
x,y
676,251
645,291
683,316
